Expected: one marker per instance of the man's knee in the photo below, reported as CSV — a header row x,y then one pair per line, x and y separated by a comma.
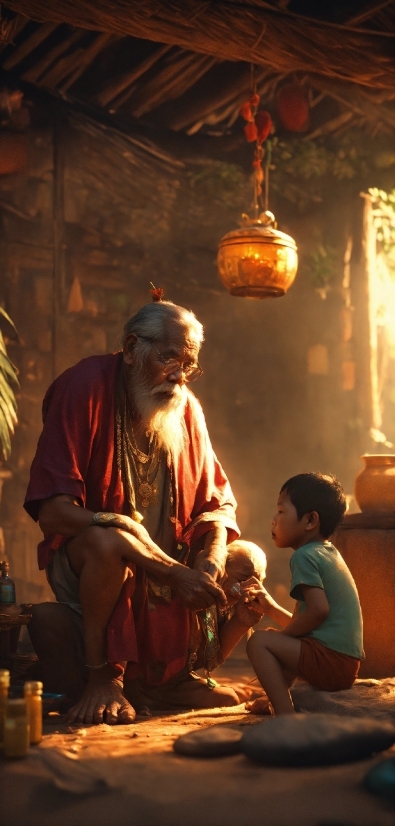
x,y
100,544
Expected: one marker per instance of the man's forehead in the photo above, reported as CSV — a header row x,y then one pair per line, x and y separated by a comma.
x,y
176,336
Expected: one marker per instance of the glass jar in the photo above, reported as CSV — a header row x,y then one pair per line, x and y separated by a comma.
x,y
16,729
4,686
33,695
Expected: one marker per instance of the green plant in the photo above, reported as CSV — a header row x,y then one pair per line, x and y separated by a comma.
x,y
322,266
384,221
8,381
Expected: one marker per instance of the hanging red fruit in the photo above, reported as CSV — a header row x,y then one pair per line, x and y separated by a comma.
x,y
293,107
263,123
251,132
245,111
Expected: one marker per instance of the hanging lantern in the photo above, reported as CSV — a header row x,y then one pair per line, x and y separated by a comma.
x,y
293,107
257,260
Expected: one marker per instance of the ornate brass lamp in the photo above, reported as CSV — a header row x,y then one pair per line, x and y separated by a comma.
x,y
257,260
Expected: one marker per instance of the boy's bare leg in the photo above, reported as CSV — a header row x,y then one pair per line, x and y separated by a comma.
x,y
271,653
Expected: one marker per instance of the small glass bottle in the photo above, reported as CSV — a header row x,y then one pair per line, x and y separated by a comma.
x,y
7,586
33,695
4,686
16,729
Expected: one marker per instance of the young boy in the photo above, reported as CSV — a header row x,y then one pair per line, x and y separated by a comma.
x,y
322,641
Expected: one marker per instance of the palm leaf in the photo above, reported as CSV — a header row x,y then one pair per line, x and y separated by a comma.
x,y
4,315
8,368
8,378
9,415
5,441
6,391
2,345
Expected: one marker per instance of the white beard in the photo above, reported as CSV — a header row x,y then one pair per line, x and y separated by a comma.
x,y
161,410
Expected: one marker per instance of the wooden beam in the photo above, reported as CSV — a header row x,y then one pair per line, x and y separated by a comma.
x,y
59,246
115,87
29,45
34,73
330,126
369,12
236,81
100,42
172,82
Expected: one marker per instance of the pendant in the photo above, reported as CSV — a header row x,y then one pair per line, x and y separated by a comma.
x,y
146,492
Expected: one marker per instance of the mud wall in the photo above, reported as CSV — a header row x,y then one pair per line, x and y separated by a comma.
x,y
77,259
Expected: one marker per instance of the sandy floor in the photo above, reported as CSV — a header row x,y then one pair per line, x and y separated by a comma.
x,y
130,776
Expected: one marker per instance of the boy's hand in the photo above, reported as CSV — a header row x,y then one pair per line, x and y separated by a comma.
x,y
247,614
253,592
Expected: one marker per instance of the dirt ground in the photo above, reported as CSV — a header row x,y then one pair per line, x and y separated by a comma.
x,y
130,776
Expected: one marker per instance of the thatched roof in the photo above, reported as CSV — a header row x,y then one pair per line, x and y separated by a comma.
x,y
184,65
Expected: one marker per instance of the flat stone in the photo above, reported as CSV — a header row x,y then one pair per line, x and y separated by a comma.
x,y
215,741
315,739
381,779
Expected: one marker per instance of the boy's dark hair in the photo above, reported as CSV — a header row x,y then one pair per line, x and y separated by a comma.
x,y
316,492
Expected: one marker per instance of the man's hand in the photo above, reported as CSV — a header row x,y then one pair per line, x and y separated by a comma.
x,y
197,589
212,559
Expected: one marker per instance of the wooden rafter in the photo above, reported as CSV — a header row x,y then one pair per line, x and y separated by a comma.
x,y
257,31
48,59
369,12
173,81
28,45
116,86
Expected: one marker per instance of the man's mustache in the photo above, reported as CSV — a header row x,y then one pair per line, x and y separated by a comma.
x,y
168,390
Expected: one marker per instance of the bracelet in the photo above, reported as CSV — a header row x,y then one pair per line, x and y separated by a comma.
x,y
94,667
104,519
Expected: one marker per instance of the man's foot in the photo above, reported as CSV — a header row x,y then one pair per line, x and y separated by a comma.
x,y
190,693
102,702
261,705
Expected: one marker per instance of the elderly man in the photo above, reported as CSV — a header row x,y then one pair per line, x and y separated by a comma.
x,y
125,441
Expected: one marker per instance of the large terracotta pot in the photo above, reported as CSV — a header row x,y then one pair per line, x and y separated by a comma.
x,y
13,153
257,260
375,484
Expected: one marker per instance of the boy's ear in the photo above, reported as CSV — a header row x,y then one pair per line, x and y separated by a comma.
x,y
313,521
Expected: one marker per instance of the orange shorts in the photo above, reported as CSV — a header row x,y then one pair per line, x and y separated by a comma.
x,y
325,669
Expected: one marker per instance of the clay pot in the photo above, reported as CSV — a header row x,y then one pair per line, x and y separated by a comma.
x,y
13,153
374,487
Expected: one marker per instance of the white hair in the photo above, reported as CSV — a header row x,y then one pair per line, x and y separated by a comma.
x,y
151,321
241,550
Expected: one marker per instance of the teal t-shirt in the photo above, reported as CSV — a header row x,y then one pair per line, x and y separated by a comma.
x,y
320,565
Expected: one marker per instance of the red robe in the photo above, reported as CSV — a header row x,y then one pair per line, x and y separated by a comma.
x,y
76,456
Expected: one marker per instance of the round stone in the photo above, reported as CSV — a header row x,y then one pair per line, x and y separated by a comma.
x,y
381,779
215,741
315,739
